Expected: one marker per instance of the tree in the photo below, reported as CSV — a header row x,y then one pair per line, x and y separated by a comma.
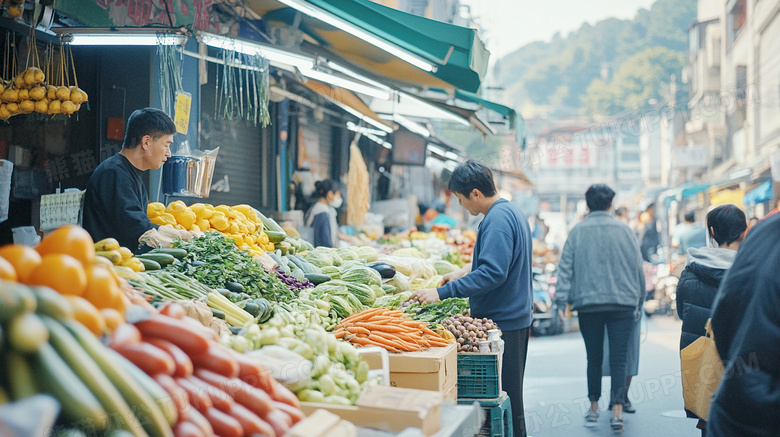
x,y
640,78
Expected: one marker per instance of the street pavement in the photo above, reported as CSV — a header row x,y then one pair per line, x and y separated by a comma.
x,y
556,387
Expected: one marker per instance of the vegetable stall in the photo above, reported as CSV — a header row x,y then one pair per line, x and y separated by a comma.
x,y
203,333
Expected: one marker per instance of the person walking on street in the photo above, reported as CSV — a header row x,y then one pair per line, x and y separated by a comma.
x,y
601,275
689,235
746,329
648,236
704,271
498,282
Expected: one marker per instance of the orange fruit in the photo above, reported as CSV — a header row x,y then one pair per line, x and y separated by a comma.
x,y
71,240
23,258
7,270
86,314
102,290
60,272
112,317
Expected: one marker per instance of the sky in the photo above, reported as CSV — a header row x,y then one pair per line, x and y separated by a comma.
x,y
509,24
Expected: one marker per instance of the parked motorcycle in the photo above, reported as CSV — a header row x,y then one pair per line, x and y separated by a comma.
x,y
661,287
548,319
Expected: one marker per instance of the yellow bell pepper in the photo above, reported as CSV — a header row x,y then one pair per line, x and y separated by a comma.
x,y
269,247
219,221
243,209
175,206
249,239
164,219
154,209
228,211
203,224
185,217
233,229
201,211
238,239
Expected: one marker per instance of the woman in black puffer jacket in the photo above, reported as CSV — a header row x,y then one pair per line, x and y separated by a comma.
x,y
703,273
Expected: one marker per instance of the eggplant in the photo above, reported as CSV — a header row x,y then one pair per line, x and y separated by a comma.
x,y
385,270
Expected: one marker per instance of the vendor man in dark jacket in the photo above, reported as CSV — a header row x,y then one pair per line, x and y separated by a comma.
x,y
116,199
498,282
746,329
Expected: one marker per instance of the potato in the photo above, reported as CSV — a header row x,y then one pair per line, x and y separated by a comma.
x,y
55,107
76,96
42,106
39,76
13,108
51,92
38,93
68,107
4,114
24,94
19,82
10,95
63,93
27,106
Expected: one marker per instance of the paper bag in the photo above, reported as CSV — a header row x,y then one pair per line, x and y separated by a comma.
x,y
702,371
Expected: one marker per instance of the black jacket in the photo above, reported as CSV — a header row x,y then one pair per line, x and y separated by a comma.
x,y
746,326
697,288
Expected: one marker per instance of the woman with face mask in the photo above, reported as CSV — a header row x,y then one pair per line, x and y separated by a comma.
x,y
704,271
322,215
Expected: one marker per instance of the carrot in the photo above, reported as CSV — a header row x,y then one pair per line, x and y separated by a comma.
x,y
254,373
177,394
383,328
125,333
218,359
284,395
340,333
358,330
362,315
362,341
180,359
258,401
426,330
384,341
173,309
174,330
185,428
295,413
249,421
223,424
197,396
151,359
198,419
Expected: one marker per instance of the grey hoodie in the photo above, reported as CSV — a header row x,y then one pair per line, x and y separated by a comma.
x,y
714,257
601,267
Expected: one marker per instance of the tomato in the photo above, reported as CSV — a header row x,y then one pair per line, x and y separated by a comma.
x,y
23,258
60,272
71,240
86,314
7,270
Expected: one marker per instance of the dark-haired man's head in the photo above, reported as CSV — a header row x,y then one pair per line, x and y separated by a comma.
x,y
148,136
599,197
473,185
726,225
690,217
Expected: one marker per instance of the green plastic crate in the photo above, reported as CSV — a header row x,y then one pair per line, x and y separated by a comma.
x,y
478,376
498,416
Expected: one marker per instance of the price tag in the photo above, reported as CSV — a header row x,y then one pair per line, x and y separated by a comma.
x,y
182,113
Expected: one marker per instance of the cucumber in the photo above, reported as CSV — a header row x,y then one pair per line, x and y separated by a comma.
x,y
158,394
300,263
275,236
163,259
26,333
54,377
217,313
91,375
21,380
235,287
149,264
174,252
52,304
144,407
269,224
317,278
15,299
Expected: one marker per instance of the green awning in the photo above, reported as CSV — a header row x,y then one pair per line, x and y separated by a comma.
x,y
458,54
505,111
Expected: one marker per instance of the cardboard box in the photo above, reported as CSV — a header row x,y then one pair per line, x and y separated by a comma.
x,y
390,409
433,369
451,394
322,423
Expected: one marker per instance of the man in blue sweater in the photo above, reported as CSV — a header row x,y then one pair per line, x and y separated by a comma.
x,y
498,282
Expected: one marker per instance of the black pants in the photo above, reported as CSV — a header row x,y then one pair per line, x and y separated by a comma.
x,y
620,326
512,372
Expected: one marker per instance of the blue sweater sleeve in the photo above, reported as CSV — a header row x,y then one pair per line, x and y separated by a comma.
x,y
494,262
321,227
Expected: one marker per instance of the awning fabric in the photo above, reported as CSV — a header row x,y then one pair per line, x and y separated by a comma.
x,y
760,194
684,191
724,197
505,111
459,55
344,97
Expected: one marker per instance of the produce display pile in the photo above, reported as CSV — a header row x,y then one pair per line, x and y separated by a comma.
x,y
469,332
388,329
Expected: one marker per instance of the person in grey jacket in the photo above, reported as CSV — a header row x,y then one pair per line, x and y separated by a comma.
x,y
600,274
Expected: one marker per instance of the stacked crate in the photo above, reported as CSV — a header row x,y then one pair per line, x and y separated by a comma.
x,y
479,380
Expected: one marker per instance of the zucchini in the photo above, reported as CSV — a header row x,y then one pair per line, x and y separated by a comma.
x,y
14,300
163,259
275,237
235,287
53,376
144,407
301,263
317,278
157,393
149,264
269,224
52,304
21,380
26,333
174,252
217,313
89,372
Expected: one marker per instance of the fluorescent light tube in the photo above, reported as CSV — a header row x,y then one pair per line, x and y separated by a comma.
x,y
370,38
346,84
125,39
250,48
